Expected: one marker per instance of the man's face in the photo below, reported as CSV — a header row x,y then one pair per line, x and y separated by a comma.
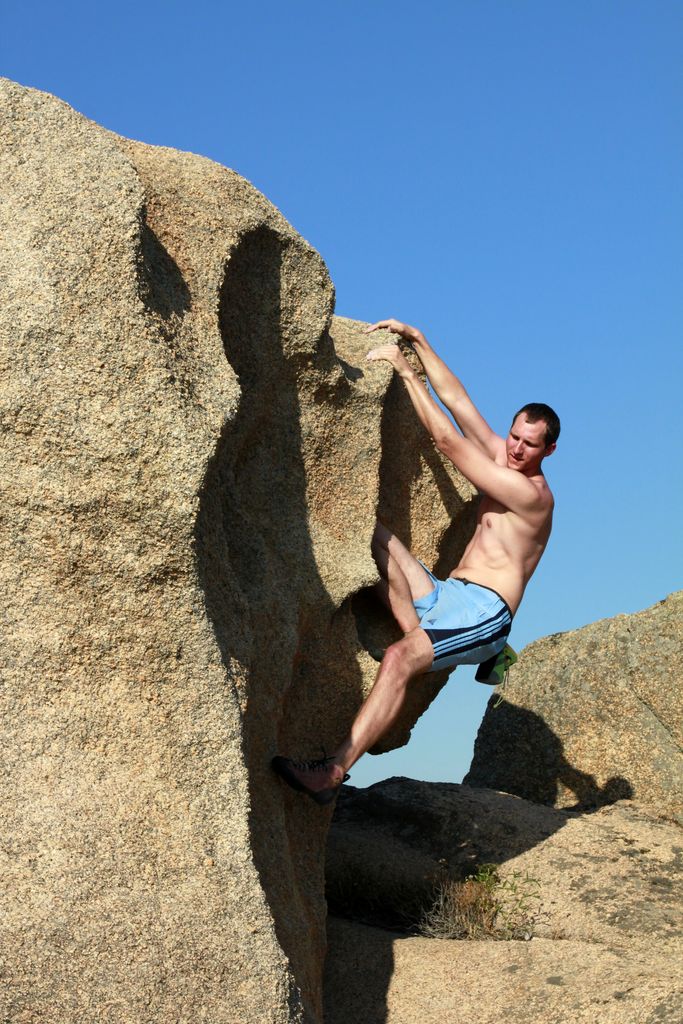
x,y
525,445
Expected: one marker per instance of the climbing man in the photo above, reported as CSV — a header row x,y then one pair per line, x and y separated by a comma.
x,y
464,619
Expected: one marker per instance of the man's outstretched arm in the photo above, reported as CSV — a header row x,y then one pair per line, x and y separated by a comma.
x,y
511,489
448,387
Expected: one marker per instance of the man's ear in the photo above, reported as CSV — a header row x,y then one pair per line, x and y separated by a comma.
x,y
549,450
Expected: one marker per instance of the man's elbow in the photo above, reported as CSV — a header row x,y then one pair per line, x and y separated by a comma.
x,y
445,442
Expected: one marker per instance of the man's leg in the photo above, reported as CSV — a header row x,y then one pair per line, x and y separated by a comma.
x,y
407,658
403,579
321,779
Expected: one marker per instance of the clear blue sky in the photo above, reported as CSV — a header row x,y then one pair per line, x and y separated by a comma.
x,y
505,175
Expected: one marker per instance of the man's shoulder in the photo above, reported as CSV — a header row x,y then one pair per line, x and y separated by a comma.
x,y
545,495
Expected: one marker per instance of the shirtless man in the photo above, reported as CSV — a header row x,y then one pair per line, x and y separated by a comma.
x,y
466,618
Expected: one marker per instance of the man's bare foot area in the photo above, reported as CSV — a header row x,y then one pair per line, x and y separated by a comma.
x,y
319,779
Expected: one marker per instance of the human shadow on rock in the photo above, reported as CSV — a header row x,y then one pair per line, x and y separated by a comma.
x,y
407,451
263,591
517,752
391,843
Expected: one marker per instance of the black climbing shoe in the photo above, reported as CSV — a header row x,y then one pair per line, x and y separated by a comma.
x,y
316,779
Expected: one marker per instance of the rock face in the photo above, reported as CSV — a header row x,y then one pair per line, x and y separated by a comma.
x,y
410,980
592,715
194,451
605,917
604,876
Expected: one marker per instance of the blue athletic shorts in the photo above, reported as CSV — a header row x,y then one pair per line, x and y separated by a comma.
x,y
466,622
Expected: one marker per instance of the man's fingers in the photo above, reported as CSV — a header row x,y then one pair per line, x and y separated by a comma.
x,y
391,325
388,351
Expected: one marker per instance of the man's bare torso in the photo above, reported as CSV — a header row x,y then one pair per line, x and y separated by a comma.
x,y
507,546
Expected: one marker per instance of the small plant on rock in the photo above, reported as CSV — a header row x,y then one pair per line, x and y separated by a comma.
x,y
485,905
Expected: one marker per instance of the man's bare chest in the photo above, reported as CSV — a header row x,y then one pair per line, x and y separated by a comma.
x,y
491,511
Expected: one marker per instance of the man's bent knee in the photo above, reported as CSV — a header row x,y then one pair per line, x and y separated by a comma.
x,y
414,653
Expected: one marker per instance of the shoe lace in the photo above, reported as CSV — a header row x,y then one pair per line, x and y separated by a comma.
x,y
318,764
501,692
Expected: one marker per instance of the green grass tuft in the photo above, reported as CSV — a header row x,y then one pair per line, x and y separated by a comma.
x,y
484,906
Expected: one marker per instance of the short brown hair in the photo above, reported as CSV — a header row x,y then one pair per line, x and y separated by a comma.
x,y
536,411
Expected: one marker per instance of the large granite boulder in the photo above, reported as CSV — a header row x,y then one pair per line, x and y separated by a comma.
x,y
590,903
592,715
193,454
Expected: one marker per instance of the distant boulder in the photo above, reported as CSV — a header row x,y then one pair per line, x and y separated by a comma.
x,y
592,716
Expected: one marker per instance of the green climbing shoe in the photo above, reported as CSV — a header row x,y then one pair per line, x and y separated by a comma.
x,y
494,671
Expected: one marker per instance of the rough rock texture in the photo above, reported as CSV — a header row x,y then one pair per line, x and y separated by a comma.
x,y
193,453
607,934
376,977
610,874
592,715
